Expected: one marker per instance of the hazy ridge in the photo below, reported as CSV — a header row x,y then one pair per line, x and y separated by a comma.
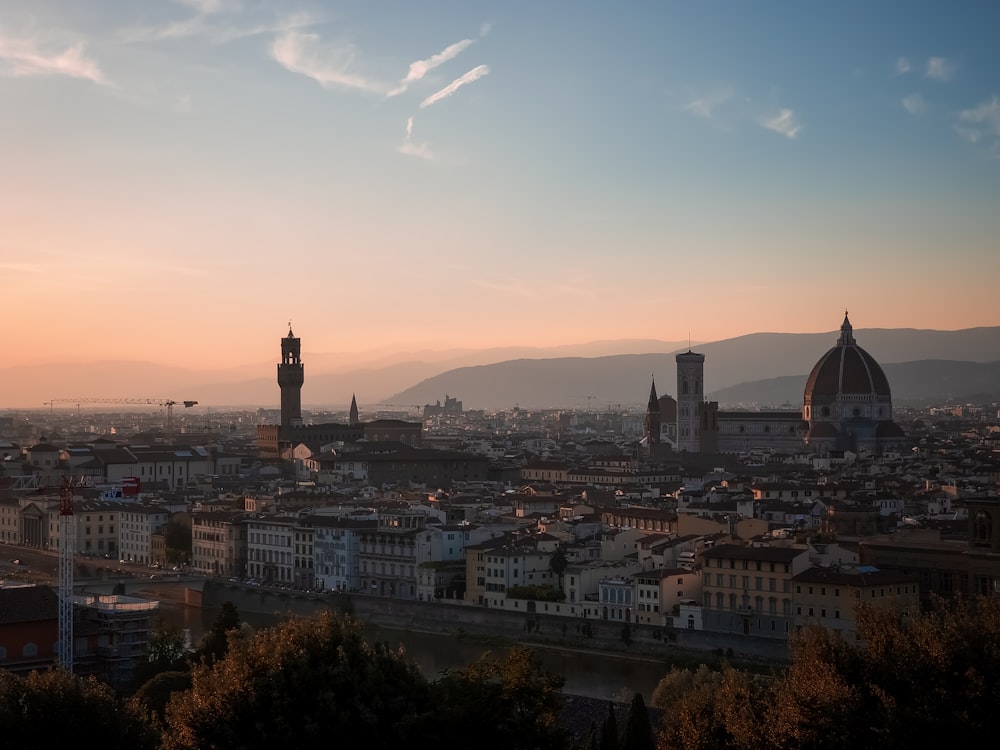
x,y
753,369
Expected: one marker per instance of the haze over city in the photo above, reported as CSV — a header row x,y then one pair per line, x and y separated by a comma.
x,y
182,179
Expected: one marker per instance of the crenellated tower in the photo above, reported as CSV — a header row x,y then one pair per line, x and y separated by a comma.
x,y
290,379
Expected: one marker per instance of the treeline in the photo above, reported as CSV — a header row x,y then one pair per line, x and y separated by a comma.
x,y
909,680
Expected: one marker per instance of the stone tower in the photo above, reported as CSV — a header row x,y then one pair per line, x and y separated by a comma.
x,y
354,419
290,379
690,385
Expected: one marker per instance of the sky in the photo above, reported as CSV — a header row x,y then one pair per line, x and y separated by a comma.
x,y
180,180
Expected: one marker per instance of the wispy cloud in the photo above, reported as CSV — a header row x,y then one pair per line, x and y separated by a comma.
x,y
981,123
941,69
784,122
208,25
329,67
420,68
410,148
914,104
22,57
705,106
211,7
473,75
903,66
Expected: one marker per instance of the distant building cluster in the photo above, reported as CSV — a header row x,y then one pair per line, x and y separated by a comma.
x,y
847,405
685,519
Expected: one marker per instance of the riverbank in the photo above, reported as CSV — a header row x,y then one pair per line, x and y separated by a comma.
x,y
662,645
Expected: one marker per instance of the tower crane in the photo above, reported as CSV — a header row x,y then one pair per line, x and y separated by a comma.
x,y
67,548
167,402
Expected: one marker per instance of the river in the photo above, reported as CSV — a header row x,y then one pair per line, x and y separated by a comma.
x,y
592,674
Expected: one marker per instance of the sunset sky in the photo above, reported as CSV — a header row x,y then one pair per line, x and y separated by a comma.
x,y
178,180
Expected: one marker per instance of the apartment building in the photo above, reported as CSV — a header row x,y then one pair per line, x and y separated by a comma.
x,y
270,548
388,553
829,596
522,563
337,551
749,590
136,526
658,592
219,543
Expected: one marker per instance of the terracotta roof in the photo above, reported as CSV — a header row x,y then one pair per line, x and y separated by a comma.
x,y
846,368
742,552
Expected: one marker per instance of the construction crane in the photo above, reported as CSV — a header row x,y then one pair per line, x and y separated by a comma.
x,y
67,548
167,402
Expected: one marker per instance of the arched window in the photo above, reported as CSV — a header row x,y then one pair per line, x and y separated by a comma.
x,y
29,650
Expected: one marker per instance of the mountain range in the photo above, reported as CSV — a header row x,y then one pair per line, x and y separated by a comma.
x,y
760,369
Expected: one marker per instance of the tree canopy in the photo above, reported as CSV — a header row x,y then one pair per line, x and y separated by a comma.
x,y
910,679
297,685
57,709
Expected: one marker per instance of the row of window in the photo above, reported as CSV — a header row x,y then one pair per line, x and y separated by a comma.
x,y
745,565
758,582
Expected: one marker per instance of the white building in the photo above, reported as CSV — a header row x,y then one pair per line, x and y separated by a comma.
x,y
136,526
270,546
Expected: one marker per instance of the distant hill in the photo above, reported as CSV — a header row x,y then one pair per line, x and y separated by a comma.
x,y
939,363
927,380
331,378
597,375
619,381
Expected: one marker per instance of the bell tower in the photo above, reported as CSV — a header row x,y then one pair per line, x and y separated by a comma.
x,y
290,379
690,379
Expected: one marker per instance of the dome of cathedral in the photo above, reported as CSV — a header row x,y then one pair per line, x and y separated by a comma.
x,y
846,369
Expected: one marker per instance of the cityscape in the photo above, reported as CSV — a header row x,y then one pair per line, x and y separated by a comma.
x,y
678,527
545,376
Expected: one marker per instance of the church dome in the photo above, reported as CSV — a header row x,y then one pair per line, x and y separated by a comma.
x,y
846,369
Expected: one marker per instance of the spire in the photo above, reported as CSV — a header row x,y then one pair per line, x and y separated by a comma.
x,y
654,402
354,418
846,332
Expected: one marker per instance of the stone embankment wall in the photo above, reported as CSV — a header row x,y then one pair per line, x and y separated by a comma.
x,y
455,618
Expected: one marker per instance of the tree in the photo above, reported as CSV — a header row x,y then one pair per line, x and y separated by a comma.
x,y
911,679
504,703
558,562
609,730
303,683
154,694
216,641
678,681
715,714
638,732
168,652
177,538
57,709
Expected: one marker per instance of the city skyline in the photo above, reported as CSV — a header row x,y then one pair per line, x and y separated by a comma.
x,y
182,179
